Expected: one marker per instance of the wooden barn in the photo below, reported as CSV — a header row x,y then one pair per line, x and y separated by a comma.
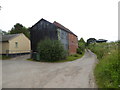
x,y
55,31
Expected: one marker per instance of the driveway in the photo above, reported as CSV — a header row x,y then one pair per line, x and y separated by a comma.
x,y
21,73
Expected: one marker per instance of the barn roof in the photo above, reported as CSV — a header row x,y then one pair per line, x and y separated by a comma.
x,y
6,38
101,40
56,24
39,22
62,27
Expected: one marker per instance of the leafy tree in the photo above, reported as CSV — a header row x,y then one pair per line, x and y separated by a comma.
x,y
81,46
91,40
81,40
19,28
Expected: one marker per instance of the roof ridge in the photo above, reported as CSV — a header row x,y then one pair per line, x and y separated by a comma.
x,y
9,36
60,24
62,27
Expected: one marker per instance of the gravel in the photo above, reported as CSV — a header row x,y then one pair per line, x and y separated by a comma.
x,y
21,73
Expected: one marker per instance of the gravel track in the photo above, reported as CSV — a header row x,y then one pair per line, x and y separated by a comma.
x,y
21,73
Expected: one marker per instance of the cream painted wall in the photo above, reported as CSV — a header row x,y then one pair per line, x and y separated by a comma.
x,y
23,44
4,46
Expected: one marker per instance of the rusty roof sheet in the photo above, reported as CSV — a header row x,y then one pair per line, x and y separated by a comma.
x,y
62,27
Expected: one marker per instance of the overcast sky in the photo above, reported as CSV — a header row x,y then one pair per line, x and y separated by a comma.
x,y
86,18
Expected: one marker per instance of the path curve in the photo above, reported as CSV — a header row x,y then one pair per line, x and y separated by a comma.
x,y
21,73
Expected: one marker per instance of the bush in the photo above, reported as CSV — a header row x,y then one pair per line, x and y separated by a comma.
x,y
51,50
79,51
99,49
76,55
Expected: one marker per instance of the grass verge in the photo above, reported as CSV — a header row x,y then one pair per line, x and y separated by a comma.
x,y
69,58
107,71
4,57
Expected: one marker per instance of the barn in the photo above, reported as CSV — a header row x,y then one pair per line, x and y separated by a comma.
x,y
55,31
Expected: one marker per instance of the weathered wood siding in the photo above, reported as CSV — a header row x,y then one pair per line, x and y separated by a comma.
x,y
41,30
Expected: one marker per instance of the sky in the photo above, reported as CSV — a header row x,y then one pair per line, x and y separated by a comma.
x,y
86,18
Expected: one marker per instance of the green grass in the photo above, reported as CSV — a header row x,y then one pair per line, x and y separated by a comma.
x,y
69,58
4,57
107,71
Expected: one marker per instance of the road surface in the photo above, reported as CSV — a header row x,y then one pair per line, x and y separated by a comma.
x,y
21,73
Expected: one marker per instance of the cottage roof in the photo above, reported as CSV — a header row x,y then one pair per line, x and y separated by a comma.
x,y
6,38
62,27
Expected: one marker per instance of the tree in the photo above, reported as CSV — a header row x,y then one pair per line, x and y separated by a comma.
x,y
19,28
91,40
81,40
3,32
81,46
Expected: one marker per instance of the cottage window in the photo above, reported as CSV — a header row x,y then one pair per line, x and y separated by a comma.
x,y
16,44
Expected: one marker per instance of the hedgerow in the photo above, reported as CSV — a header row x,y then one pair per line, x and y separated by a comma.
x,y
107,71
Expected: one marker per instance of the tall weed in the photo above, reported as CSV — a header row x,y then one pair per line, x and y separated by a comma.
x,y
107,71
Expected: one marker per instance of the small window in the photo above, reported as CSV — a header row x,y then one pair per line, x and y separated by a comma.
x,y
16,44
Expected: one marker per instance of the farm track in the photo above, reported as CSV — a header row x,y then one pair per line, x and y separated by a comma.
x,y
21,73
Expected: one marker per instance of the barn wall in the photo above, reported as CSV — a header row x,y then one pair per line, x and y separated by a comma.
x,y
73,44
63,37
40,31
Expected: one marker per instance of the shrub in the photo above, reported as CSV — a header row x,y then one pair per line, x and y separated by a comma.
x,y
51,50
76,55
99,49
79,51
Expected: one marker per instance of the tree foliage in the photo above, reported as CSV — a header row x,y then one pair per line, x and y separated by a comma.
x,y
81,46
3,32
91,40
19,28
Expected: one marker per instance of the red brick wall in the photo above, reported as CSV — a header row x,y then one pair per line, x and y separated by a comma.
x,y
73,44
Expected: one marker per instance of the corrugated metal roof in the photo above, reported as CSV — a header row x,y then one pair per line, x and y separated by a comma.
x,y
6,38
62,27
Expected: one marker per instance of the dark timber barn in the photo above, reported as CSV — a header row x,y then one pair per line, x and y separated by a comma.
x,y
54,31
